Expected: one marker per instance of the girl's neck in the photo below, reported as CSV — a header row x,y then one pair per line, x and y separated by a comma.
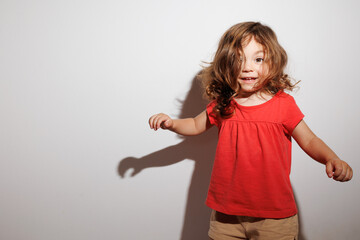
x,y
252,99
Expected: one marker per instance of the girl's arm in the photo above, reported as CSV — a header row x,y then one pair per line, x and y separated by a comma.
x,y
335,168
186,126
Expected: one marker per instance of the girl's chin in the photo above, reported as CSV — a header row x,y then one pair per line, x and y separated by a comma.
x,y
248,89
246,92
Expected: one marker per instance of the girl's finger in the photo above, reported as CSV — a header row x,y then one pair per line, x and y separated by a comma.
x,y
349,174
152,121
159,121
162,121
156,119
338,169
329,169
342,175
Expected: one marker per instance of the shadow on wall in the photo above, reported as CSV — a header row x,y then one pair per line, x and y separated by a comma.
x,y
200,149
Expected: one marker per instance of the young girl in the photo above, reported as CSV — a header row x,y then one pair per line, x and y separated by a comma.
x,y
250,191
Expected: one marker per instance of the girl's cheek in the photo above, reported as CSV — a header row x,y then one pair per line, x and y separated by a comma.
x,y
264,70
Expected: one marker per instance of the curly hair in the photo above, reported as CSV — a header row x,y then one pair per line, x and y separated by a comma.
x,y
220,77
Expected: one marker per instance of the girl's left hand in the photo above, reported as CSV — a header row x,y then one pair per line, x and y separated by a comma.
x,y
339,170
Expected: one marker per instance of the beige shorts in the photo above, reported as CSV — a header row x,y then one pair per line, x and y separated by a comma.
x,y
229,227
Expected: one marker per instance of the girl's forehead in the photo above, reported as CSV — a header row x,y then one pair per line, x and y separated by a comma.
x,y
251,45
249,40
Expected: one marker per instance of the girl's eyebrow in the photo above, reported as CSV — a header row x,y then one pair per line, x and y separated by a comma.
x,y
260,51
257,52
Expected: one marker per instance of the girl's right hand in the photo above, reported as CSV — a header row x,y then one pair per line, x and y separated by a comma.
x,y
160,120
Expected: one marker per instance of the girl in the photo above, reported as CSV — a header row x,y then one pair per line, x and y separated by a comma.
x,y
250,191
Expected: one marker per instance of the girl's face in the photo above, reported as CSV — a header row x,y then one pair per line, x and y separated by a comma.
x,y
253,68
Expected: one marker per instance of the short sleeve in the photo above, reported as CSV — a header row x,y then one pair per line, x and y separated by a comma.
x,y
211,113
292,115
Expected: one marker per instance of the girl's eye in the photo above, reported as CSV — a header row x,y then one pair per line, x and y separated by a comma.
x,y
259,60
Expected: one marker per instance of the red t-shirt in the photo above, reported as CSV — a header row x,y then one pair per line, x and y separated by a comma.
x,y
252,164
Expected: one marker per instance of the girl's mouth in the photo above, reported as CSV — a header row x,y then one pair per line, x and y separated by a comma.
x,y
248,79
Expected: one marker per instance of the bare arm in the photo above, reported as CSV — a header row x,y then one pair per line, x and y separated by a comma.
x,y
186,126
319,151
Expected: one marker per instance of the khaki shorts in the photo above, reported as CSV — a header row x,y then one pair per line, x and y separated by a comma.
x,y
229,227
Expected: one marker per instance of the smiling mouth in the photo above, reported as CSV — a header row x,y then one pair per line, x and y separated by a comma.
x,y
248,79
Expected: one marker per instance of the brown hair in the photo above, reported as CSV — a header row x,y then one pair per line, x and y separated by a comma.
x,y
220,77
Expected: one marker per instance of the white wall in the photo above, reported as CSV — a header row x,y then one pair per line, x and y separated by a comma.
x,y
79,79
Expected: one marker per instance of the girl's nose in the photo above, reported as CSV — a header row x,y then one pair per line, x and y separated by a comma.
x,y
246,66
